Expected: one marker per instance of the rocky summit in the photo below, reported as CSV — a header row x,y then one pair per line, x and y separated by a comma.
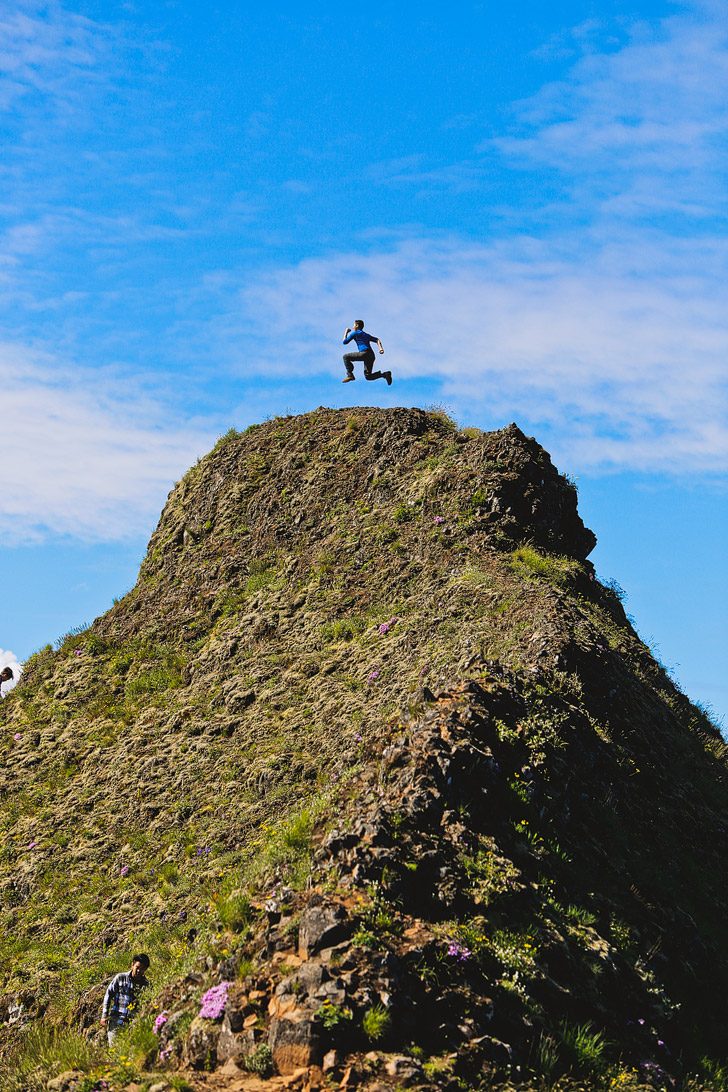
x,y
380,776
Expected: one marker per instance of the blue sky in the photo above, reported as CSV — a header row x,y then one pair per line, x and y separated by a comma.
x,y
529,209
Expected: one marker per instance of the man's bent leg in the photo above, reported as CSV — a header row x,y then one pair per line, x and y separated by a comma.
x,y
366,355
369,359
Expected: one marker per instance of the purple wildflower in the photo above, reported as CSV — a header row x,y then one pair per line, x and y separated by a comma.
x,y
439,519
161,1021
214,1001
124,870
459,951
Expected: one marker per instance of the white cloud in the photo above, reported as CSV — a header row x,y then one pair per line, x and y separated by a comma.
x,y
626,345
84,453
609,332
47,49
648,120
9,659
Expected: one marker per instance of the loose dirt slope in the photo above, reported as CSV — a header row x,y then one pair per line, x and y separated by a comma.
x,y
367,679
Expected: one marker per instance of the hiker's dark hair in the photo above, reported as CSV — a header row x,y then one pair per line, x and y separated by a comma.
x,y
7,671
359,322
142,957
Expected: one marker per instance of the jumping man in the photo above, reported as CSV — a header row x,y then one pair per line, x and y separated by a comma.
x,y
366,353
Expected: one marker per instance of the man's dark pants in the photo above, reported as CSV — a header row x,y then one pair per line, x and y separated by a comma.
x,y
367,355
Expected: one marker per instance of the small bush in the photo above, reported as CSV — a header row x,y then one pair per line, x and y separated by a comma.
x,y
260,1061
586,1046
546,1058
332,1015
245,968
235,911
181,1084
226,437
296,834
443,414
376,1023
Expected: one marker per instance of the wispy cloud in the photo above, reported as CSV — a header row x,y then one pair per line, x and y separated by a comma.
x,y
606,330
646,121
48,51
86,454
629,353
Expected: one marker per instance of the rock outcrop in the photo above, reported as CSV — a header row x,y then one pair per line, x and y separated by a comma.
x,y
381,776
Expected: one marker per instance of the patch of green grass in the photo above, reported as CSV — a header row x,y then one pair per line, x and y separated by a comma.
x,y
579,915
139,1043
546,1059
235,911
227,602
227,437
376,1023
585,1045
45,1051
155,680
344,629
552,567
178,1082
262,573
443,413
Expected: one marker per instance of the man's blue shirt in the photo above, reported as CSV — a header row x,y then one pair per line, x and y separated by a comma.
x,y
362,339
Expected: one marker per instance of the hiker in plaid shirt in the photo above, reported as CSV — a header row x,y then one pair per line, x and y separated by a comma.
x,y
120,999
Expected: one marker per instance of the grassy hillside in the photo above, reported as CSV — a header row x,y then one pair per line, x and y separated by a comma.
x,y
366,671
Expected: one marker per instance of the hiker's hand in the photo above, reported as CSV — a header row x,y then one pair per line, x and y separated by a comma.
x,y
103,1021
347,331
381,351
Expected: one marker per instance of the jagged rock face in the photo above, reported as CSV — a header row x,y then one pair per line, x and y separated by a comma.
x,y
288,489
366,635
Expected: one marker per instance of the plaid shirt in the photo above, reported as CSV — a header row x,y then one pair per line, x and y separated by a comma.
x,y
120,999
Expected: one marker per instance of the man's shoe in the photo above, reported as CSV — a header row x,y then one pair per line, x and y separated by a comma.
x,y
388,377
350,379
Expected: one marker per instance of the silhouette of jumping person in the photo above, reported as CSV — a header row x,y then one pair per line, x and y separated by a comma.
x,y
366,353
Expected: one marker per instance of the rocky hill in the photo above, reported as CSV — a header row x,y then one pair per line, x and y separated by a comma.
x,y
382,779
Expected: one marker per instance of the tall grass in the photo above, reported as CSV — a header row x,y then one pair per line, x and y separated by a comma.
x,y
46,1051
